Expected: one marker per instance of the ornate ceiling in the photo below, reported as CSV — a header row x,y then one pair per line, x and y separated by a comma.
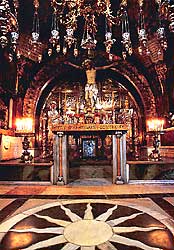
x,y
154,67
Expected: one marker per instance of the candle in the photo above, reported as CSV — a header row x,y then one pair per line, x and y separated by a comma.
x,y
24,125
155,124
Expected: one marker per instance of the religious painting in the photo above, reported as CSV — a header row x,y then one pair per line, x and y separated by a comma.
x,y
89,147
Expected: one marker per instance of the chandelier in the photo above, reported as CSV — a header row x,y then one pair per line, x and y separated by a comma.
x,y
69,15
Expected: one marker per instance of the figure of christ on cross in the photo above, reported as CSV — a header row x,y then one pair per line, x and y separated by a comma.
x,y
91,90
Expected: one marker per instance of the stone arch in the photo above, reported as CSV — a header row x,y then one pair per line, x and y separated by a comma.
x,y
41,80
142,86
53,70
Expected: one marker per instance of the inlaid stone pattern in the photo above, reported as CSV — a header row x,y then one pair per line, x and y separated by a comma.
x,y
86,225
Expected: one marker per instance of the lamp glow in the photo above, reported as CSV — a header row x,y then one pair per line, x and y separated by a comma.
x,y
24,125
156,124
155,128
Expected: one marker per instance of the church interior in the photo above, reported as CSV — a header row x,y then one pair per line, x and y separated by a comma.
x,y
87,124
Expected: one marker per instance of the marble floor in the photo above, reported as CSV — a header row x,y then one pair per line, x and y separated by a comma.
x,y
113,217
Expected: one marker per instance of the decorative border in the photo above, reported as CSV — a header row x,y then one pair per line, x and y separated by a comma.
x,y
88,127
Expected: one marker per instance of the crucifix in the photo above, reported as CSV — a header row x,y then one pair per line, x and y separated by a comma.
x,y
91,90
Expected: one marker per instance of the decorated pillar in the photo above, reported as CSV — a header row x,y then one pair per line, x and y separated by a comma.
x,y
119,157
60,159
135,135
10,117
44,136
123,150
60,149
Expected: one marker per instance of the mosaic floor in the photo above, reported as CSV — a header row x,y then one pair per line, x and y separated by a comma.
x,y
45,222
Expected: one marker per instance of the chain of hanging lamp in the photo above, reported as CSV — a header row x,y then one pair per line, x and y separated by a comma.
x,y
161,34
35,30
76,9
67,14
142,33
126,41
9,24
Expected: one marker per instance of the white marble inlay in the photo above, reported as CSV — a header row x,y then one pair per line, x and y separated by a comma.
x,y
170,200
5,202
85,231
88,232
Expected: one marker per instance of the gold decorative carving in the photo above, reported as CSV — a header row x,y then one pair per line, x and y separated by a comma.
x,y
141,3
88,127
124,3
36,4
7,132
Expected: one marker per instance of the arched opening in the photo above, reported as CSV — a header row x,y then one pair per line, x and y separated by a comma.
x,y
63,102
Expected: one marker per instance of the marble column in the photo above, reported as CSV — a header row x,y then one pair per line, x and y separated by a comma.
x,y
124,172
10,112
135,136
119,157
44,136
60,159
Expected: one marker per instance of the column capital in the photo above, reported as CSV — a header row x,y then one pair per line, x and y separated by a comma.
x,y
119,134
60,134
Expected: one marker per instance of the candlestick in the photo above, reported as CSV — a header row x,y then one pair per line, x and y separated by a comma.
x,y
155,128
24,127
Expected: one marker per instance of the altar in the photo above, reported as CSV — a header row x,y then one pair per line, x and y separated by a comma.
x,y
61,132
